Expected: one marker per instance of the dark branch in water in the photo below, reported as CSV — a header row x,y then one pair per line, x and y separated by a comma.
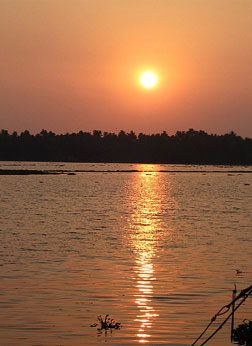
x,y
106,323
244,294
243,333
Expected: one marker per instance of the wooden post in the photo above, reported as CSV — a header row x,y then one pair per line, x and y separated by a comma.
x,y
233,307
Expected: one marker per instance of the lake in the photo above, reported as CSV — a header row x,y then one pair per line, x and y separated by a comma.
x,y
154,246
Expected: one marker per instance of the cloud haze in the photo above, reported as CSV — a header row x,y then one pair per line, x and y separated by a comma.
x,y
74,65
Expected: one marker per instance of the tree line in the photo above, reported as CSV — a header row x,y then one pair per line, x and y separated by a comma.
x,y
185,147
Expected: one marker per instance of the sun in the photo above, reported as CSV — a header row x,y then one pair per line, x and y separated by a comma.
x,y
148,79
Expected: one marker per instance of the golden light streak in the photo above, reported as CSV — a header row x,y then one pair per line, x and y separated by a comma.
x,y
146,234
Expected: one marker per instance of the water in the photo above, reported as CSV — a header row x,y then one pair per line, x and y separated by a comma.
x,y
157,251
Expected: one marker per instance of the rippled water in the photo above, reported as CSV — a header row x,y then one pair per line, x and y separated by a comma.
x,y
158,251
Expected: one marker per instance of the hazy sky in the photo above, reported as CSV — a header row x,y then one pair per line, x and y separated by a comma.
x,y
71,65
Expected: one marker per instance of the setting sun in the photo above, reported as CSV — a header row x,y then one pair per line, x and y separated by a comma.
x,y
148,79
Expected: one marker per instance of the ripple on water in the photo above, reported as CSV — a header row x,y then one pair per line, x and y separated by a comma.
x,y
158,252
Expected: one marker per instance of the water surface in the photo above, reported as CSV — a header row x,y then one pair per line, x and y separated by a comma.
x,y
156,250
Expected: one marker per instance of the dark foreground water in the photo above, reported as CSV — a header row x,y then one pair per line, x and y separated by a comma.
x,y
158,251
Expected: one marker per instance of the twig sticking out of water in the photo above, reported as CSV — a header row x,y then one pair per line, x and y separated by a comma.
x,y
106,323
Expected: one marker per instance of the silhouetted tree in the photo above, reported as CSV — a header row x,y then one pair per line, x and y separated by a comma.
x,y
188,147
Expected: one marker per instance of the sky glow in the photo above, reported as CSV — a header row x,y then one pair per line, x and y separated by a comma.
x,y
74,65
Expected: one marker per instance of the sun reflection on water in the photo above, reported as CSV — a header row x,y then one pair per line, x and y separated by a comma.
x,y
145,234
145,273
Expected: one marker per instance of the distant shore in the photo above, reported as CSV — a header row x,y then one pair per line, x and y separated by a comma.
x,y
74,172
25,172
190,147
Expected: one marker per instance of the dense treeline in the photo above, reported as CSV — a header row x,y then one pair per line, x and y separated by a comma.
x,y
191,147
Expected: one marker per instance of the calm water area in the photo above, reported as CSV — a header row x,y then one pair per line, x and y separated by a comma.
x,y
154,246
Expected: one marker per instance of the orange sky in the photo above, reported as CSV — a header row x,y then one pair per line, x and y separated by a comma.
x,y
74,65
